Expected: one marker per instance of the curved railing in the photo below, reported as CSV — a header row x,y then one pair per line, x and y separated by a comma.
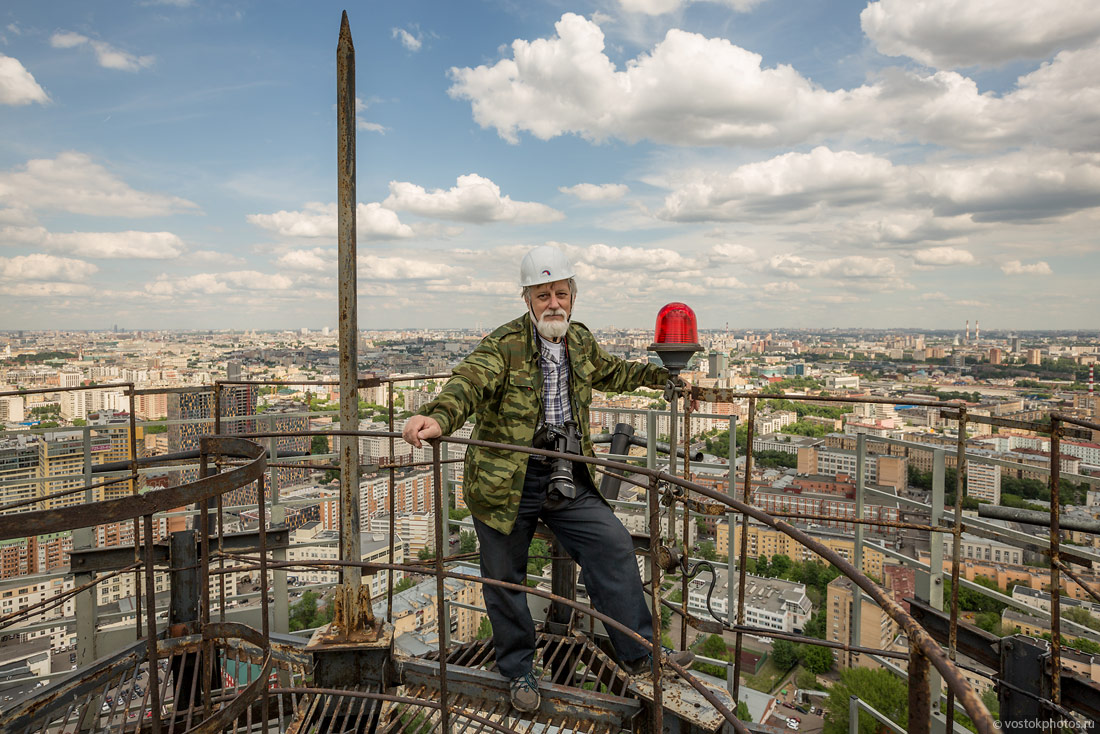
x,y
663,488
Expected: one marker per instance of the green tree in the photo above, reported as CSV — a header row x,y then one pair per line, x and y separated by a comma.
x,y
485,629
319,445
467,541
406,582
806,680
457,513
816,626
780,565
762,568
426,553
816,659
538,555
879,688
714,647
1081,616
784,654
706,550
742,711
303,612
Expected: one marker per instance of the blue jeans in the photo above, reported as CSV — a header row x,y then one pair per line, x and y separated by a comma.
x,y
589,531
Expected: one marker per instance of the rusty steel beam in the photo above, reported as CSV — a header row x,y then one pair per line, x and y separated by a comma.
x,y
127,508
742,571
75,388
564,701
956,552
855,521
920,698
354,617
1064,418
1034,517
1055,562
726,395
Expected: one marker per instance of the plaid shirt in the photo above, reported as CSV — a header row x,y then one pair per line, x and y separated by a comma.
x,y
555,383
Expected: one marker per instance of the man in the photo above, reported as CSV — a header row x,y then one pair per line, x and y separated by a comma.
x,y
539,370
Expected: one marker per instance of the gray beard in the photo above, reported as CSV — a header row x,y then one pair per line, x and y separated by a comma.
x,y
552,330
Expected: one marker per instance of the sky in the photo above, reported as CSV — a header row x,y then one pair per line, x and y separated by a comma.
x,y
171,164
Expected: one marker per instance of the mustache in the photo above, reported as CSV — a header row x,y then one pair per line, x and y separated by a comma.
x,y
552,312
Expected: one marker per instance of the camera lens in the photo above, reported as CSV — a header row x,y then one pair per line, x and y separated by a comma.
x,y
561,478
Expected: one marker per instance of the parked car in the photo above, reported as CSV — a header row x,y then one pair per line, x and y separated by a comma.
x,y
800,709
792,724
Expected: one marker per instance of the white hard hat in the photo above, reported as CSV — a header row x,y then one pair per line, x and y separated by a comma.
x,y
544,264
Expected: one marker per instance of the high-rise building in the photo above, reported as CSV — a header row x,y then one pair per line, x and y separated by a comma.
x,y
196,409
983,481
876,628
233,370
12,409
717,362
994,355
1034,356
18,460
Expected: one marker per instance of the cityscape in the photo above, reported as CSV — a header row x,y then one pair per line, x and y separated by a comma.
x,y
806,462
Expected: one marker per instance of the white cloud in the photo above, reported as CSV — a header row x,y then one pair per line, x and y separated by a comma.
x,y
219,283
100,245
372,267
320,220
473,198
40,266
106,55
213,257
660,7
596,192
1027,185
315,260
17,85
783,185
408,40
852,266
688,90
361,123
322,260
1015,267
782,287
648,259
841,298
72,182
792,266
733,254
33,289
958,33
940,256
693,90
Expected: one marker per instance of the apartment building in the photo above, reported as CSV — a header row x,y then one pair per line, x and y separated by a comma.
x,y
767,541
889,471
775,604
877,628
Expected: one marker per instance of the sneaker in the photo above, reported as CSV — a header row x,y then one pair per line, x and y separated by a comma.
x,y
644,664
524,691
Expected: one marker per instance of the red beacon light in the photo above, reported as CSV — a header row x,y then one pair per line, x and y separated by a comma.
x,y
677,337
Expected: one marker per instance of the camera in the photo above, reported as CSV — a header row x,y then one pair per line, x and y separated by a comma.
x,y
565,439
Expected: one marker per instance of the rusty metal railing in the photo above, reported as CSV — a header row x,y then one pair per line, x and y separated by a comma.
x,y
674,490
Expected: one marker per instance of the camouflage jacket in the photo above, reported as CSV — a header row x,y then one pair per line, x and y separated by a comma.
x,y
500,384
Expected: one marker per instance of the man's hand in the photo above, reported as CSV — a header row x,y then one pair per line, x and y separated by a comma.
x,y
677,386
420,428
